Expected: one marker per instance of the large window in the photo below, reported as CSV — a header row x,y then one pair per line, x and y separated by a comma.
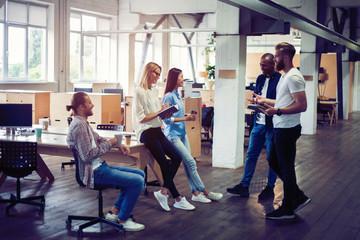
x,y
180,57
90,53
23,42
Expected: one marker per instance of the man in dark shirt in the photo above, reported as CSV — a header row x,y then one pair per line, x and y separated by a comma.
x,y
262,131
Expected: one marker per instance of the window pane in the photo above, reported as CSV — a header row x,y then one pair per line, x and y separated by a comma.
x,y
37,16
36,53
104,24
88,23
89,58
17,38
103,57
74,56
75,22
2,16
17,12
1,51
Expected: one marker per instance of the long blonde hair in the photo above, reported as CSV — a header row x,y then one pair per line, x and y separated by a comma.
x,y
148,70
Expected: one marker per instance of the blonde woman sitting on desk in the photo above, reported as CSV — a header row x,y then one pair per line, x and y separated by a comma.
x,y
175,132
147,126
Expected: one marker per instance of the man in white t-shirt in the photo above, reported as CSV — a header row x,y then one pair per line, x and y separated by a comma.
x,y
286,108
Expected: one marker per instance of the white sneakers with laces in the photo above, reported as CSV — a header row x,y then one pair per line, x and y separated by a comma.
x,y
129,225
132,226
200,198
215,196
183,204
163,200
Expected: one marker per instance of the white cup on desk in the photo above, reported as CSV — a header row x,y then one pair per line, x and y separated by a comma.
x,y
119,139
44,122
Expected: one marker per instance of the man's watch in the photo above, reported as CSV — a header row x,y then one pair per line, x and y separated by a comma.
x,y
278,112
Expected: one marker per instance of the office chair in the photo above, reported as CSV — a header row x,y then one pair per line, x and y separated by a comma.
x,y
91,219
110,127
207,120
72,161
249,118
19,159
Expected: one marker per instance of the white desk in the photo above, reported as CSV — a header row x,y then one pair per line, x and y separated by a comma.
x,y
53,142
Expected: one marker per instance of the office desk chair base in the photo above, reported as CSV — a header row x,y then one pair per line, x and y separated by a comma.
x,y
72,162
93,220
17,199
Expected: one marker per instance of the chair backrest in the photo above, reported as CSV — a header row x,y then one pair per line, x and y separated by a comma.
x,y
114,90
18,159
89,90
207,115
77,168
112,127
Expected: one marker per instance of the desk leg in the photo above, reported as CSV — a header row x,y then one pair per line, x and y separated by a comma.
x,y
332,116
2,178
43,170
145,158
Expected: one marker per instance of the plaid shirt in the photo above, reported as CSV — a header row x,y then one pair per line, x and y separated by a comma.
x,y
80,138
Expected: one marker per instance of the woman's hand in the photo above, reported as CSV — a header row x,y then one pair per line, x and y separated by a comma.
x,y
165,106
190,117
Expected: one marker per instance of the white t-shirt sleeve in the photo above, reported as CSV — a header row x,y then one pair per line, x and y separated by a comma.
x,y
296,84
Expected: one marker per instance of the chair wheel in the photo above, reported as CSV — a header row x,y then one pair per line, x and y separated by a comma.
x,y
7,213
80,232
62,168
122,232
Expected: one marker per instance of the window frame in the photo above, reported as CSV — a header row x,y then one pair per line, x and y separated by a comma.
x,y
8,24
84,34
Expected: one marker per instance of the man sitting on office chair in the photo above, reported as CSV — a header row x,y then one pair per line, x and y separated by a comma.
x,y
93,171
262,131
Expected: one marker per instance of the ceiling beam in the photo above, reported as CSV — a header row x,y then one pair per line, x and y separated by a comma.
x,y
274,10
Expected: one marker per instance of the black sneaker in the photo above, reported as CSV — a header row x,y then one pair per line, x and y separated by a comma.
x,y
301,202
281,213
266,194
239,190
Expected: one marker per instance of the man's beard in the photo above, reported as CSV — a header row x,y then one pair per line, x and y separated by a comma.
x,y
280,65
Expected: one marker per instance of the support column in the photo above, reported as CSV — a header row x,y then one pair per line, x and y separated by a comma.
x,y
356,87
309,66
228,140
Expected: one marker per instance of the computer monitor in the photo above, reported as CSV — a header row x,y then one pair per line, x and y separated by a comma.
x,y
114,90
16,115
88,90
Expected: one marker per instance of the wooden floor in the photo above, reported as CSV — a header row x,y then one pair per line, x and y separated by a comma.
x,y
328,170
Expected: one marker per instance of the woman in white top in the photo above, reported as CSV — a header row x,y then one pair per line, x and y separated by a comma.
x,y
147,126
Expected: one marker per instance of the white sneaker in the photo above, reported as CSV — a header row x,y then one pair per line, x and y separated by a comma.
x,y
200,198
163,200
215,196
111,217
183,204
130,225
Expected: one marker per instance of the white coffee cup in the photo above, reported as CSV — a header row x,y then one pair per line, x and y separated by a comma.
x,y
44,122
119,139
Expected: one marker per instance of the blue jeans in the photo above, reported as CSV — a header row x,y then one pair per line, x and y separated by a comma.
x,y
130,180
258,136
182,144
282,161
